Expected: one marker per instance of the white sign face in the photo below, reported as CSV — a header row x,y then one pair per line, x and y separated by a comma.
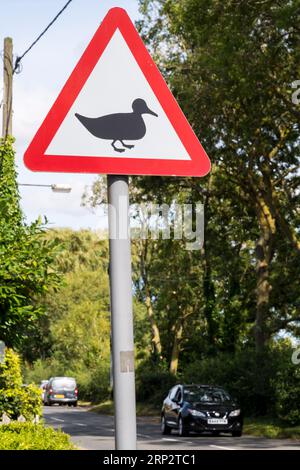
x,y
117,96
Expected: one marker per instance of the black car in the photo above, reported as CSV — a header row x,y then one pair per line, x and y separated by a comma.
x,y
200,408
61,390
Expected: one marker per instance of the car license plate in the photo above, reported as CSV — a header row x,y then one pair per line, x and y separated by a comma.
x,y
59,396
217,421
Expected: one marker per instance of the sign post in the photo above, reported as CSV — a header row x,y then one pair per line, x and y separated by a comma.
x,y
121,312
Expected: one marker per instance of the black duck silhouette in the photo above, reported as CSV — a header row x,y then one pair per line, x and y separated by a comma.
x,y
120,126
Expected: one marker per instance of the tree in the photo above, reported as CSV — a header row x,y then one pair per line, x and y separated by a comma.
x,y
231,65
26,258
75,327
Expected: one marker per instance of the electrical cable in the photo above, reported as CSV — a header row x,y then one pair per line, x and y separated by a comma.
x,y
16,68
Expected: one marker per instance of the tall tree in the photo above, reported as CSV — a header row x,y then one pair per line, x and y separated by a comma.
x,y
231,65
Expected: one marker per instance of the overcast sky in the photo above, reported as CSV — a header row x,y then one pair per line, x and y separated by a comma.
x,y
45,70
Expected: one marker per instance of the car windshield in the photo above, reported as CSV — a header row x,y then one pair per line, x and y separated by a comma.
x,y
65,383
205,395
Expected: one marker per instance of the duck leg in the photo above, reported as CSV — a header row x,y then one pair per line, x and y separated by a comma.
x,y
116,149
126,145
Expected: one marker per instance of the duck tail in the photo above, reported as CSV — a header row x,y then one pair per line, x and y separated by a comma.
x,y
85,121
80,117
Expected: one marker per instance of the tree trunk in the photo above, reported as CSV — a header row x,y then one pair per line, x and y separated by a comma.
x,y
155,335
154,328
209,295
178,330
264,254
208,284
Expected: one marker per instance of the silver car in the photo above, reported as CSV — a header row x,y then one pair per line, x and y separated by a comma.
x,y
61,390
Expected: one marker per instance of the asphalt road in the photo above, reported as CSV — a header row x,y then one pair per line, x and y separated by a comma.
x,y
92,431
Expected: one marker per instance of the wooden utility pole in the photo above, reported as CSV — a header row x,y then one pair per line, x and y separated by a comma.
x,y
7,84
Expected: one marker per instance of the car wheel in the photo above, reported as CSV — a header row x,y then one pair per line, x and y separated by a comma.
x,y
69,404
236,433
182,431
165,429
75,404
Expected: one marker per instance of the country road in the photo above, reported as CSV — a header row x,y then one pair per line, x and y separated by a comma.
x,y
92,431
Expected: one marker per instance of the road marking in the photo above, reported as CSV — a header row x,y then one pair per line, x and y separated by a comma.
x,y
170,439
57,419
80,424
145,435
221,447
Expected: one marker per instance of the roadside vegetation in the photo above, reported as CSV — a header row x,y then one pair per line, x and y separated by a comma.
x,y
273,429
27,436
227,314
17,399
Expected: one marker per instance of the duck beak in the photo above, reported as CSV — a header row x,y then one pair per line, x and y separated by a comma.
x,y
151,112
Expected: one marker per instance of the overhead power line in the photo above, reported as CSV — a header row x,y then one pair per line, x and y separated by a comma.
x,y
19,58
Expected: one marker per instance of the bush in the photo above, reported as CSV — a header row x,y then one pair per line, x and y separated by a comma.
x,y
152,383
17,399
10,371
94,385
27,436
286,384
245,376
42,369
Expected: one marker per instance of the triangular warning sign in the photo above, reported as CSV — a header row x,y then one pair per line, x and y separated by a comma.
x,y
116,115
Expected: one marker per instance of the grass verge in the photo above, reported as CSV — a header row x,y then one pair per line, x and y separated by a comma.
x,y
266,427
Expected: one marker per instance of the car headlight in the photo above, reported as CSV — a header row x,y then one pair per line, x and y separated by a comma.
x,y
197,413
235,413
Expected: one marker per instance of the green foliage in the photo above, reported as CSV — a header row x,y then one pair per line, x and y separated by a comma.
x,y
26,259
286,386
94,384
25,401
267,427
10,371
27,436
152,383
75,329
42,369
9,193
15,398
73,338
245,376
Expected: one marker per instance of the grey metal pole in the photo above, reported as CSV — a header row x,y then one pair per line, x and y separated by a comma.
x,y
121,313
